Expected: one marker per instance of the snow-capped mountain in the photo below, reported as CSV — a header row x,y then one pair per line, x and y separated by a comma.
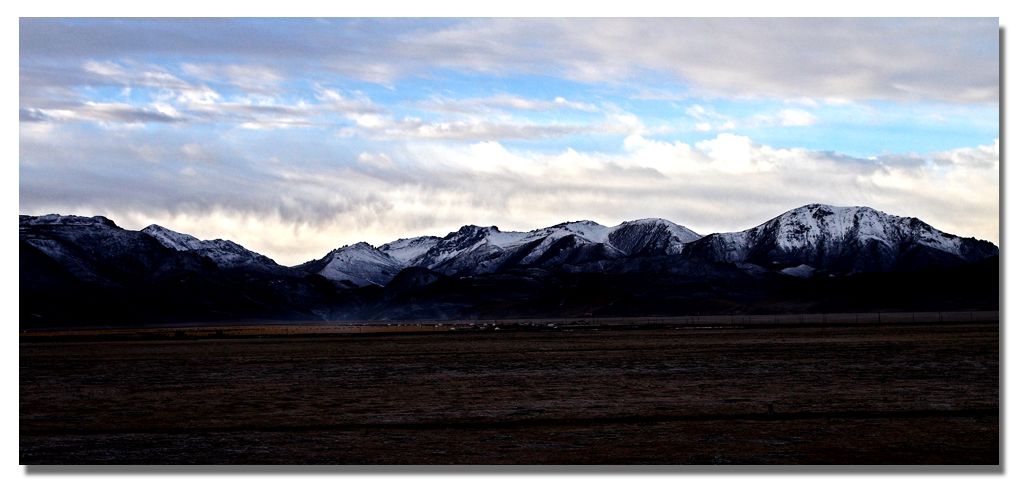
x,y
56,220
225,253
96,250
798,243
360,264
841,240
479,250
87,270
651,236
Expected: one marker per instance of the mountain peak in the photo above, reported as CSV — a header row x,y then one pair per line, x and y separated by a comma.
x,y
578,223
587,229
57,219
360,246
841,240
823,209
471,229
225,253
361,264
651,220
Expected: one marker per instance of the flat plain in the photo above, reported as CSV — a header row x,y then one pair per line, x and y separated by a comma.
x,y
907,393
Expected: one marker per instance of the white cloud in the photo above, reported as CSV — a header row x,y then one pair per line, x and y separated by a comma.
x,y
707,119
796,117
785,117
335,101
732,153
134,74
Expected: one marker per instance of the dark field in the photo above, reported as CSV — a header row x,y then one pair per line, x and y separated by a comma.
x,y
908,393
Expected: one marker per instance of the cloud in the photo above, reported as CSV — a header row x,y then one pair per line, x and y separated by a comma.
x,y
707,119
276,199
469,125
819,58
173,100
796,117
890,59
333,100
103,113
502,102
249,78
409,128
785,117
134,75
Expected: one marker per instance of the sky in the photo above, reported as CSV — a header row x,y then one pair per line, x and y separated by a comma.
x,y
293,137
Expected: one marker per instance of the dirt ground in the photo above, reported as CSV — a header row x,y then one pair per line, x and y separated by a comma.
x,y
893,394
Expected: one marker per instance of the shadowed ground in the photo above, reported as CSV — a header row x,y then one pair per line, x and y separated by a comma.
x,y
884,394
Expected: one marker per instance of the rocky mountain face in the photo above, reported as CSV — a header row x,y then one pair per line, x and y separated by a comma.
x,y
78,270
224,253
88,271
359,264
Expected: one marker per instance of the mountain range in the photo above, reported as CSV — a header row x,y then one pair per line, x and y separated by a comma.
x,y
88,271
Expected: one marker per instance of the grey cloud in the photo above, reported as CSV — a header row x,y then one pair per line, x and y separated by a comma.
x,y
81,38
30,115
247,77
125,113
945,59
98,112
898,59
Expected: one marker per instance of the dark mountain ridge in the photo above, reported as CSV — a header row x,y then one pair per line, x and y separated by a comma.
x,y
88,271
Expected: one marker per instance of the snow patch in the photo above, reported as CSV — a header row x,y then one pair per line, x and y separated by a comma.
x,y
405,250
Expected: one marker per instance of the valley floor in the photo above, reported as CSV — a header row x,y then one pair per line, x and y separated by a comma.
x,y
908,393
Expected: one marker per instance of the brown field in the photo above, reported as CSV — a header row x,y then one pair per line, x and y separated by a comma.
x,y
902,393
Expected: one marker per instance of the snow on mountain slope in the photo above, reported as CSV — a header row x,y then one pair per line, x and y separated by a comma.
x,y
820,237
96,250
480,250
173,240
816,225
224,253
587,229
469,238
840,239
59,238
56,219
651,236
405,250
360,263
